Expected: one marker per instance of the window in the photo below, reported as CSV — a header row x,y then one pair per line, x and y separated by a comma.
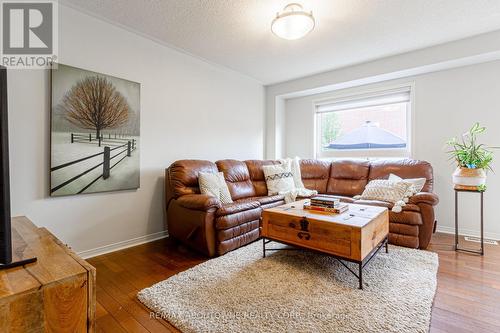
x,y
370,125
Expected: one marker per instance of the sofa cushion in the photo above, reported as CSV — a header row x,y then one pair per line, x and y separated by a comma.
x,y
407,207
257,175
264,200
236,207
315,174
405,168
237,178
348,177
183,176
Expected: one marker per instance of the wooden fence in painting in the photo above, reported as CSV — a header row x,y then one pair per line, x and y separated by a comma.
x,y
103,138
111,157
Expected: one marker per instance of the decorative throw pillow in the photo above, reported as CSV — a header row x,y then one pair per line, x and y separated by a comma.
x,y
386,190
279,178
417,183
215,185
294,165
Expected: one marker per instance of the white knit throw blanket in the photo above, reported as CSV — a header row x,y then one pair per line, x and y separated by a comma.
x,y
299,190
291,196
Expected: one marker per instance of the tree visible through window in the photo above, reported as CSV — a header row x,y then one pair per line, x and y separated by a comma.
x,y
330,128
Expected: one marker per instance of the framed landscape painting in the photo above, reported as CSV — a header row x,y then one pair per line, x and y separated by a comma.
x,y
95,132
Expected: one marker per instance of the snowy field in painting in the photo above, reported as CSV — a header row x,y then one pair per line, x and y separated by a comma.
x,y
124,175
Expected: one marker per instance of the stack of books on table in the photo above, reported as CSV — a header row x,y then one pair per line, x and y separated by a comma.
x,y
326,204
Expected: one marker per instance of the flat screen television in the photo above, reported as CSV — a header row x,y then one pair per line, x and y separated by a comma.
x,y
5,220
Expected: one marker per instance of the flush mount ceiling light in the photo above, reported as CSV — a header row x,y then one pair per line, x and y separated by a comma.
x,y
293,22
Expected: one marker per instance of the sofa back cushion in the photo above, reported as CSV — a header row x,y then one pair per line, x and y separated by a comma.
x,y
315,174
348,177
257,175
237,178
405,168
183,176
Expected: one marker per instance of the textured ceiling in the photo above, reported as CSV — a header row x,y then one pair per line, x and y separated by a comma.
x,y
237,34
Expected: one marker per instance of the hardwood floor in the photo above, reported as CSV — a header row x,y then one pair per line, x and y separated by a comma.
x,y
467,299
468,295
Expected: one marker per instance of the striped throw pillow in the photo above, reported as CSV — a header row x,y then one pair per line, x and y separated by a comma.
x,y
279,178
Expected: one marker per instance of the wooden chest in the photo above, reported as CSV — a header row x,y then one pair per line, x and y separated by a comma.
x,y
351,235
54,294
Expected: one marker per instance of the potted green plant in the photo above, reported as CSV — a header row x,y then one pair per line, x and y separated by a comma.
x,y
473,160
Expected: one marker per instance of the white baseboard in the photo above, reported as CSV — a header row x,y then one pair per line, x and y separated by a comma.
x,y
122,245
468,232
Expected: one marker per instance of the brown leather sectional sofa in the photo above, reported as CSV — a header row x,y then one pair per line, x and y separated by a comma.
x,y
206,225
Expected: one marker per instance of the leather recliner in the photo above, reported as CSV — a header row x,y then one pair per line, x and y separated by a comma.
x,y
205,224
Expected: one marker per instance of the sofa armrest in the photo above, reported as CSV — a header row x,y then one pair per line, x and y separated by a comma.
x,y
424,197
201,202
193,227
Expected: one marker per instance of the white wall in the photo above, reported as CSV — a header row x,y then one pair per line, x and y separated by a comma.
x,y
446,104
455,54
189,109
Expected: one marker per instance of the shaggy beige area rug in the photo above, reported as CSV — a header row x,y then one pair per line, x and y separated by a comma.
x,y
298,291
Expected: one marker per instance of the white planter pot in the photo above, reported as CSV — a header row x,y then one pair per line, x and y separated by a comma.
x,y
469,177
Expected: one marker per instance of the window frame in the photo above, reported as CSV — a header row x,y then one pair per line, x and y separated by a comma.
x,y
371,153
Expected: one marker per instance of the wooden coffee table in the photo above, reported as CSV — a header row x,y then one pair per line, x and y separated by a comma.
x,y
354,236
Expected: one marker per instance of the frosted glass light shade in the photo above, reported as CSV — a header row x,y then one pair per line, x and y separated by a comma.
x,y
293,22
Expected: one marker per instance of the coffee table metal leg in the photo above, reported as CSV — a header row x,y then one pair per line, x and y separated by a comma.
x,y
360,275
361,264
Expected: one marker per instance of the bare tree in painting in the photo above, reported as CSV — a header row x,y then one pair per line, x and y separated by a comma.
x,y
93,103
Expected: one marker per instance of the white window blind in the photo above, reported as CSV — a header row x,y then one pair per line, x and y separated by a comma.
x,y
361,101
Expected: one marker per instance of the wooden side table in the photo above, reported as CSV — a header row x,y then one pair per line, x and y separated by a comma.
x,y
457,248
